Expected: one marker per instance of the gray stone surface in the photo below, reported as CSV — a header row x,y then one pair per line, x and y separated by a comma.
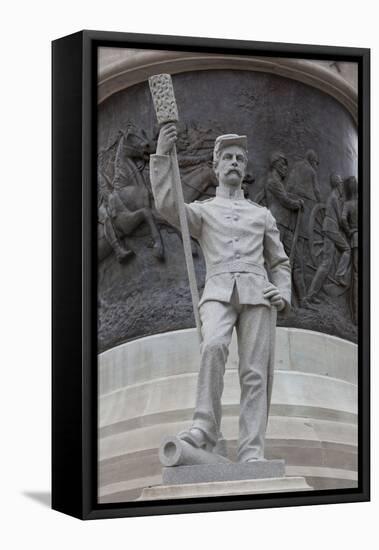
x,y
177,353
313,417
206,473
225,488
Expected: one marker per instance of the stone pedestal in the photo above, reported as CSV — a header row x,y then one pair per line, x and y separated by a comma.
x,y
230,471
223,479
226,488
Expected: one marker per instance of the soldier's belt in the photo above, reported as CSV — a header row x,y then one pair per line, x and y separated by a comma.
x,y
235,267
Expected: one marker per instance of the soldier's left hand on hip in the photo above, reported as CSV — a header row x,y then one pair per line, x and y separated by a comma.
x,y
272,294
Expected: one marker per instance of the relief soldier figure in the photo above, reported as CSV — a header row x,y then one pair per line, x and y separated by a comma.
x,y
107,213
349,221
303,183
282,206
239,239
334,241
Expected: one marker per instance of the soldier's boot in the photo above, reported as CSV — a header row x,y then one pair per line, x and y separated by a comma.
x,y
197,438
122,254
221,447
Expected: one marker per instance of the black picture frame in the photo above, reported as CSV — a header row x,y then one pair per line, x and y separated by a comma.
x,y
74,372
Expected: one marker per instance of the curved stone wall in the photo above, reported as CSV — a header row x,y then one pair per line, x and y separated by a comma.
x,y
120,68
147,391
146,295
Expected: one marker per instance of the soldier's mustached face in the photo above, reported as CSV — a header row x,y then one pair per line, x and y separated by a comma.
x,y
231,167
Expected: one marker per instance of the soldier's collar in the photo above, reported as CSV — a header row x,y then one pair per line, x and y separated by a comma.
x,y
232,194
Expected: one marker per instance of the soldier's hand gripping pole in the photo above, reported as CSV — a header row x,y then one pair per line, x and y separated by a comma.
x,y
166,110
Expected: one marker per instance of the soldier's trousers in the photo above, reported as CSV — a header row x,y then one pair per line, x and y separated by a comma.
x,y
252,324
298,280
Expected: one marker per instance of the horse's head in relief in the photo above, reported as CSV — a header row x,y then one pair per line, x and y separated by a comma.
x,y
136,142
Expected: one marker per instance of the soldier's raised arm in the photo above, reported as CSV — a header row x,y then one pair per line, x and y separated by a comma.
x,y
163,187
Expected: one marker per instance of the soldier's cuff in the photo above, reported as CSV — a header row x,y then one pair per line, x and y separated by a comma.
x,y
156,157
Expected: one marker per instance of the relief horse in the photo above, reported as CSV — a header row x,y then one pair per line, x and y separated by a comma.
x,y
125,199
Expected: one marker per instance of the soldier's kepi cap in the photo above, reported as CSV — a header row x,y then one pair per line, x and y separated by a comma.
x,y
226,140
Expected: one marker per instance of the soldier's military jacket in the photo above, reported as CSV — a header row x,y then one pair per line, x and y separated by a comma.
x,y
332,221
239,239
303,183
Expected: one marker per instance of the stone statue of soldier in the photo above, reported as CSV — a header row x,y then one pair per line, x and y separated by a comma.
x,y
247,278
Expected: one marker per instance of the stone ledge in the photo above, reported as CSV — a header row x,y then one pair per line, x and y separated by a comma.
x,y
226,488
